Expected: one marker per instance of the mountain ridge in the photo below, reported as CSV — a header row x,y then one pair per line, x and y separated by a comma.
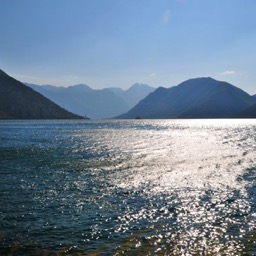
x,y
134,93
83,100
94,103
202,97
18,101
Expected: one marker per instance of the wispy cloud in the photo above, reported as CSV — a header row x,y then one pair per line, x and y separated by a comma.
x,y
167,16
148,78
229,72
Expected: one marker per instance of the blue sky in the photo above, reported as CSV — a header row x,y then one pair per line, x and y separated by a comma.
x,y
106,43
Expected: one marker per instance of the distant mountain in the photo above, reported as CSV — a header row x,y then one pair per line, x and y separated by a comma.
x,y
194,98
97,104
83,100
134,94
17,101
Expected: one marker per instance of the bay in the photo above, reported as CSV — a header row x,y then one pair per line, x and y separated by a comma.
x,y
128,187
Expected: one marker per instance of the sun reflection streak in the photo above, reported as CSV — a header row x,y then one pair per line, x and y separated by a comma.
x,y
136,187
198,170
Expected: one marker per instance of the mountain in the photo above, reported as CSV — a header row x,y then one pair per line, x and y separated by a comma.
x,y
249,112
134,94
96,104
83,100
17,101
194,98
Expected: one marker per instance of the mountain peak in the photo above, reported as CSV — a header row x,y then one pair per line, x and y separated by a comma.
x,y
200,80
139,87
202,97
206,78
136,85
82,87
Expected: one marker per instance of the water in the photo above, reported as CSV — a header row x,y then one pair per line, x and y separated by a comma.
x,y
137,187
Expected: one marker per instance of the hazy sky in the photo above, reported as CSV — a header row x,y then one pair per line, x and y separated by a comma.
x,y
119,42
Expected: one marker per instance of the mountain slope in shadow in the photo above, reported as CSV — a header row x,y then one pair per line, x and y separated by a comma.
x,y
18,101
194,98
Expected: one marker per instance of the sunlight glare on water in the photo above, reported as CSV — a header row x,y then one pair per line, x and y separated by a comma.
x,y
138,187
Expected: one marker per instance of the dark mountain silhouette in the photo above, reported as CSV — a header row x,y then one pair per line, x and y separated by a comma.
x,y
249,112
134,94
17,101
194,98
97,104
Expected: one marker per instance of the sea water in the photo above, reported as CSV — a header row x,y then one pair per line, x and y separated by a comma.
x,y
134,187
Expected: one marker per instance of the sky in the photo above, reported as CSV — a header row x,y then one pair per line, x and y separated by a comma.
x,y
105,43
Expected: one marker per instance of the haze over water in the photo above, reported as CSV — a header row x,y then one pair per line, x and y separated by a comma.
x,y
135,187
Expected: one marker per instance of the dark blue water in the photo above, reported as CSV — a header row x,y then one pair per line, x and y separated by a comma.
x,y
138,187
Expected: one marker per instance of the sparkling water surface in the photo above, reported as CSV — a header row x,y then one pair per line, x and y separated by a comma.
x,y
135,187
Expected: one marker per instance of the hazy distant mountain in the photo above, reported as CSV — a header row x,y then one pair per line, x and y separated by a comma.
x,y
194,98
134,94
18,101
83,100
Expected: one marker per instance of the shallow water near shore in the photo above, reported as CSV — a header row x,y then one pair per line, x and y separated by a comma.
x,y
128,187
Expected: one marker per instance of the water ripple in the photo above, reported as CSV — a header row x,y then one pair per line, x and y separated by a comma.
x,y
144,187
